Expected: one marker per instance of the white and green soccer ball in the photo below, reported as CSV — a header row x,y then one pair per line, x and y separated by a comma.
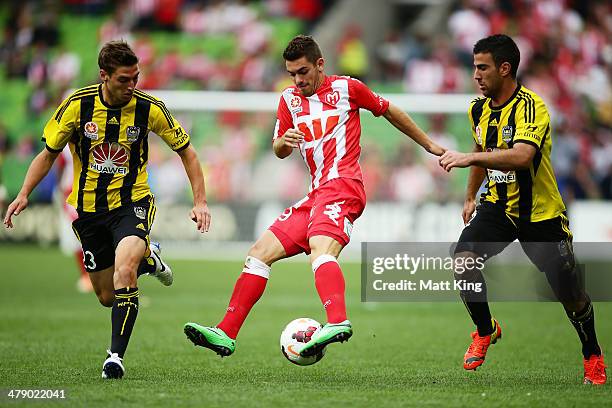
x,y
298,333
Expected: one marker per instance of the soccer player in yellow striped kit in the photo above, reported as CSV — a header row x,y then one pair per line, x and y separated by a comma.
x,y
106,127
512,134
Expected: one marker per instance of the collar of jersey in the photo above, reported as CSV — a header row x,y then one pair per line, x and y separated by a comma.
x,y
502,106
106,104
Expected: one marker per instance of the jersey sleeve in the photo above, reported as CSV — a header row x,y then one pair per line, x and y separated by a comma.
x,y
169,129
472,124
366,98
61,126
532,122
284,121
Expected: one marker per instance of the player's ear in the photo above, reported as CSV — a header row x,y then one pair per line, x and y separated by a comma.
x,y
320,64
103,75
505,68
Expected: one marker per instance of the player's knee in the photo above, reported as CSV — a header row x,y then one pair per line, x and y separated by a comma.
x,y
320,246
261,252
106,298
126,274
468,266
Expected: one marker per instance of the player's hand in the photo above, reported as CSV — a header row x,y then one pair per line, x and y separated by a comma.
x,y
436,149
200,214
293,138
15,208
451,159
469,206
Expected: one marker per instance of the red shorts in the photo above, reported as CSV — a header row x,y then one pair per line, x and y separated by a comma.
x,y
329,210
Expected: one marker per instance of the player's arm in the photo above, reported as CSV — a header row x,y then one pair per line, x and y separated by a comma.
x,y
39,168
518,157
56,134
200,213
475,179
532,122
286,135
283,146
402,121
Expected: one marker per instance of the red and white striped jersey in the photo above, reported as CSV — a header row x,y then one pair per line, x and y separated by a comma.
x,y
330,122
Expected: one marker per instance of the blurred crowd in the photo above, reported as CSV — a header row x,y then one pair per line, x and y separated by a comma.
x,y
566,57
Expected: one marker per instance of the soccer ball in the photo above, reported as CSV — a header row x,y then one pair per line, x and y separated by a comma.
x,y
296,334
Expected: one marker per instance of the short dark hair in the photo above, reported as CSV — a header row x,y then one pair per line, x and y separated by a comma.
x,y
116,54
302,46
502,48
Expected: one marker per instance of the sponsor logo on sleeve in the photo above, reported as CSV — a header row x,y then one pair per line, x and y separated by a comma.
x,y
180,137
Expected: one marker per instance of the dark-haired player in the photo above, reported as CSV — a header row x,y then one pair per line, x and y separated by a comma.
x,y
318,117
512,135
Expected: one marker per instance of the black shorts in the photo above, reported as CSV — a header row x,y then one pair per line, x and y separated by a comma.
x,y
100,233
548,244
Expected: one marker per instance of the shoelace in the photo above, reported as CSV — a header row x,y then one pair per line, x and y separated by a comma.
x,y
113,355
479,344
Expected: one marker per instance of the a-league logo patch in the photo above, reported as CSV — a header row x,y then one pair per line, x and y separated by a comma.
x,y
91,130
132,133
140,212
296,104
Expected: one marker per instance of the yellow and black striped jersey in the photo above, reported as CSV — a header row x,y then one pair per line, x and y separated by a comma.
x,y
109,145
529,194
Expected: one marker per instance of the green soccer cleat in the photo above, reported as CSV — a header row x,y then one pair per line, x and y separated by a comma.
x,y
330,333
210,337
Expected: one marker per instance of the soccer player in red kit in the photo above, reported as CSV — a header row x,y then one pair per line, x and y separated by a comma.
x,y
319,117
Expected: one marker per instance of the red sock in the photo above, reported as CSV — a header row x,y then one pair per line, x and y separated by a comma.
x,y
247,291
330,286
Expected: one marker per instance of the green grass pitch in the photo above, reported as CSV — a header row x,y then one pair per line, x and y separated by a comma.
x,y
402,354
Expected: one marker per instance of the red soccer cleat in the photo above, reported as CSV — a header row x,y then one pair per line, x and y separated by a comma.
x,y
475,354
595,370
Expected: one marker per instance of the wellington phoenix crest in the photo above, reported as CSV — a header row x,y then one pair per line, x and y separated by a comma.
x,y
132,133
110,158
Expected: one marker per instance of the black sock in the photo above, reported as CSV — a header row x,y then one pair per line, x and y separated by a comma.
x,y
481,316
584,323
123,317
476,302
147,265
